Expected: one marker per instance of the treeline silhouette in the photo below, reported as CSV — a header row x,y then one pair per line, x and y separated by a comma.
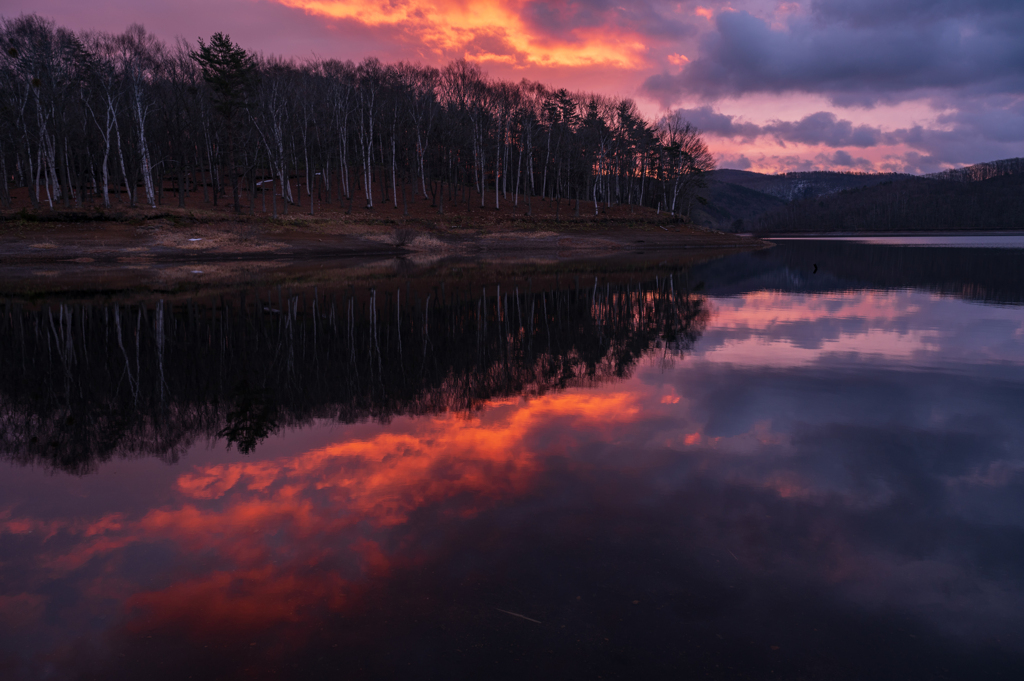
x,y
982,171
907,205
80,384
95,117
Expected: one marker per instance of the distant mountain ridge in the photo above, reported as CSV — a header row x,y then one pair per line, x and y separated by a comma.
x,y
802,185
982,196
982,171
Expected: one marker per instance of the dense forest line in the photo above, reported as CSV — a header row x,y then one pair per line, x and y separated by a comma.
x,y
907,205
101,118
84,382
982,171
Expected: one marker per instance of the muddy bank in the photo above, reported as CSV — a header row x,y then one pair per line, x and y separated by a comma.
x,y
164,239
127,282
171,252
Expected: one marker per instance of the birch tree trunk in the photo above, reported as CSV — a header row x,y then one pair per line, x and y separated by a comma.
x,y
147,170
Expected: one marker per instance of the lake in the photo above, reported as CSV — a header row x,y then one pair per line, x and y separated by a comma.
x,y
800,463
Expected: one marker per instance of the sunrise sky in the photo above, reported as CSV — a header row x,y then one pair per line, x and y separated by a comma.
x,y
871,85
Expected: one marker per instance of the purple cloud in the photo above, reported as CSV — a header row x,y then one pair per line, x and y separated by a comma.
x,y
822,127
835,51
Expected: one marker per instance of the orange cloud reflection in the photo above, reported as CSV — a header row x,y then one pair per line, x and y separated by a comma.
x,y
384,478
257,543
334,508
246,601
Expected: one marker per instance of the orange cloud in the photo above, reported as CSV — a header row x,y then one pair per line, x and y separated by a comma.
x,y
488,30
708,14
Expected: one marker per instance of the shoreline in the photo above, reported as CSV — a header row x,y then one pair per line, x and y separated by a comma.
x,y
116,259
164,240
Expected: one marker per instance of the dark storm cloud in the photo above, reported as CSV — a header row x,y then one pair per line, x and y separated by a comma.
x,y
741,162
991,120
973,129
825,128
981,129
844,51
822,127
883,12
842,159
722,125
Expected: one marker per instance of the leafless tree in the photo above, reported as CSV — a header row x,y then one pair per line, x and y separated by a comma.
x,y
84,116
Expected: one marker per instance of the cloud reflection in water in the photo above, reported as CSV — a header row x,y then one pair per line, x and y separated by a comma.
x,y
825,474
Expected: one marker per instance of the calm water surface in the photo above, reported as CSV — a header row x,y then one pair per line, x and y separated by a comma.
x,y
737,469
1015,241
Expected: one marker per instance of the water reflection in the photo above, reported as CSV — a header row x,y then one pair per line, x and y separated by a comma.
x,y
807,485
991,275
81,383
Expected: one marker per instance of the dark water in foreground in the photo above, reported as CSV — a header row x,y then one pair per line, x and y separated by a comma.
x,y
739,469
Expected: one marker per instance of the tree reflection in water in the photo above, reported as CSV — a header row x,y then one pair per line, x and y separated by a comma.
x,y
251,420
81,383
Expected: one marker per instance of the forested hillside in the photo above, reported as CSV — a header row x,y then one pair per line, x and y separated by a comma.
x,y
913,204
94,118
802,185
732,207
982,171
986,196
736,199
